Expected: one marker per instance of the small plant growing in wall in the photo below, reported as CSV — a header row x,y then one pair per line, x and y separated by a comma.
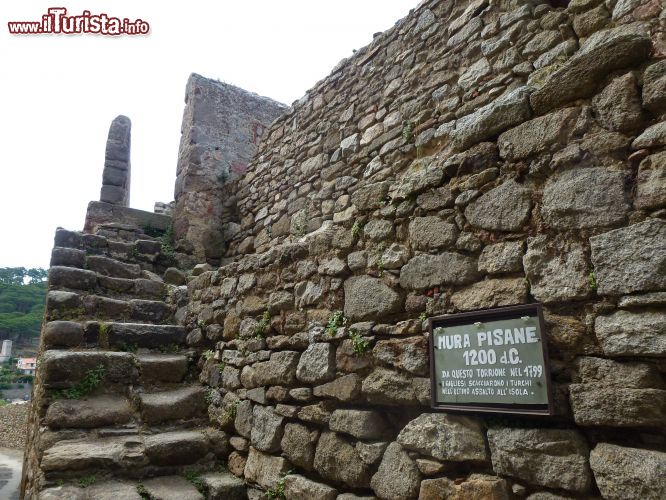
x,y
380,267
360,345
277,491
86,481
166,242
232,411
423,316
91,381
195,478
356,228
103,337
262,326
208,397
142,491
592,280
220,367
336,320
208,354
408,131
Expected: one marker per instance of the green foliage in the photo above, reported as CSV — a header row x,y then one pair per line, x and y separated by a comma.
x,y
356,228
423,316
103,337
208,397
262,326
151,231
220,367
233,409
380,267
195,478
336,320
22,294
408,131
167,241
125,347
208,354
592,280
92,380
360,344
142,491
277,491
86,481
169,348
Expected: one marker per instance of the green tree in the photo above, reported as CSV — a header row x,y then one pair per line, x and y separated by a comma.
x,y
22,294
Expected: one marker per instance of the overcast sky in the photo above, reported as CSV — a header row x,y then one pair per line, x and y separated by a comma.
x,y
60,93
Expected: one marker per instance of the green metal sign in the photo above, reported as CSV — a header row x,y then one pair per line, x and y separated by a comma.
x,y
493,360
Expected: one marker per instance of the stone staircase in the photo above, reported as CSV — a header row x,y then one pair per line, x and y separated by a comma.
x,y
118,411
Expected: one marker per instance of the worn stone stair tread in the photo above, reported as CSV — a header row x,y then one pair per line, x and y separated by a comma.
x,y
88,413
145,334
65,369
163,367
224,486
177,404
111,267
107,490
123,455
171,488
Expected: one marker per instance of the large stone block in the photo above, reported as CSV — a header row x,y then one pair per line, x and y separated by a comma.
x,y
603,52
623,472
387,387
625,333
584,198
298,445
617,407
476,486
398,476
537,135
431,233
267,429
407,354
491,293
505,257
265,470
280,369
630,259
447,268
362,424
337,460
651,182
508,110
297,487
554,458
317,363
654,87
369,298
557,269
445,437
618,106
504,208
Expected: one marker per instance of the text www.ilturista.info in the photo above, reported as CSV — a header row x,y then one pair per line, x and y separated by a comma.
x,y
57,22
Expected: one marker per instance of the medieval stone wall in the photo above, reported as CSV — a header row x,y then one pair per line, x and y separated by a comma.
x,y
479,154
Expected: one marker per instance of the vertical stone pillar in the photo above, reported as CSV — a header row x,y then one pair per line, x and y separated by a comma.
x,y
222,126
117,168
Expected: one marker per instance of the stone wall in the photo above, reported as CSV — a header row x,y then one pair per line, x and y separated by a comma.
x,y
222,126
478,154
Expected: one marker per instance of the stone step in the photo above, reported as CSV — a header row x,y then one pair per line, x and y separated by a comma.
x,y
171,488
120,336
66,305
128,456
223,486
176,404
68,369
83,280
88,413
104,490
161,368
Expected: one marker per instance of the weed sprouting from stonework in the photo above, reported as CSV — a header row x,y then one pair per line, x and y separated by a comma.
x,y
220,367
336,320
408,131
92,380
360,344
195,478
103,337
208,354
86,481
423,316
277,492
262,326
142,491
356,228
592,280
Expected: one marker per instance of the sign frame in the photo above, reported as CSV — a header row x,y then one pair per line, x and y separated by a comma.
x,y
500,313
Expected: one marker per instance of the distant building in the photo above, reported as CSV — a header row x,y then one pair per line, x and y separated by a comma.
x,y
27,365
6,352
